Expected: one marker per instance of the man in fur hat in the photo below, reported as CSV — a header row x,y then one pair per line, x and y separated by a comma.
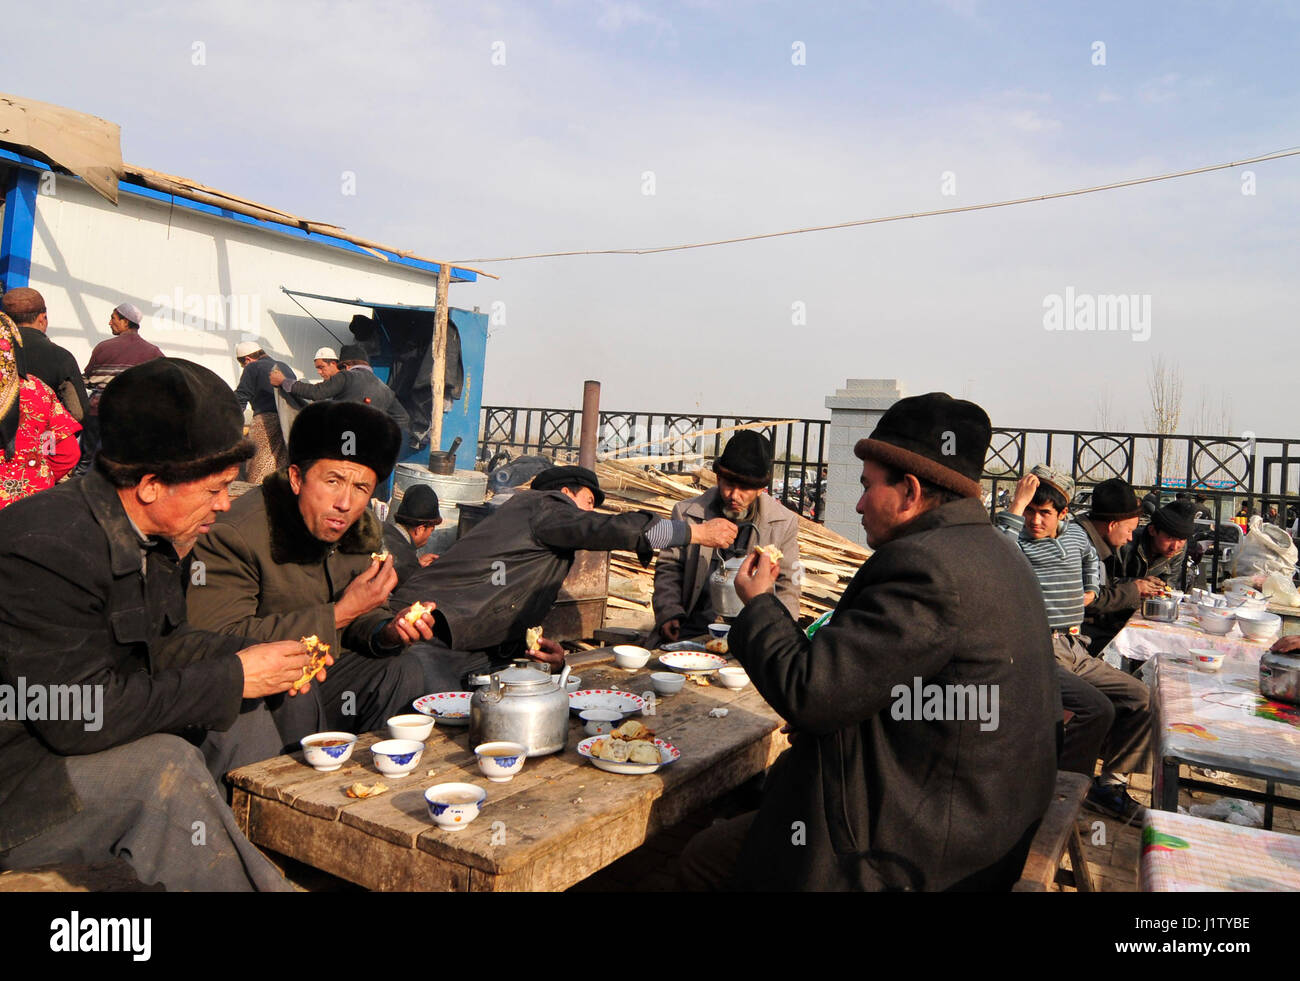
x,y
878,791
682,600
151,711
295,558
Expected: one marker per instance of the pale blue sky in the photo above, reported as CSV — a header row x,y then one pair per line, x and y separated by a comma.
x,y
459,157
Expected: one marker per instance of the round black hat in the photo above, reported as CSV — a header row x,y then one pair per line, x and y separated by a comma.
x,y
570,477
1177,518
935,437
350,431
746,459
1114,500
176,418
419,506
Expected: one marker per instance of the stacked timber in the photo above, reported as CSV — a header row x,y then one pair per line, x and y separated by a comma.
x,y
829,560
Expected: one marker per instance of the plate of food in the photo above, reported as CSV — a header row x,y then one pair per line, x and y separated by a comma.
x,y
448,708
623,702
693,663
630,749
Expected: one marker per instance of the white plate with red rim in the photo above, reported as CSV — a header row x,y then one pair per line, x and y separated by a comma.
x,y
693,663
623,702
448,708
667,751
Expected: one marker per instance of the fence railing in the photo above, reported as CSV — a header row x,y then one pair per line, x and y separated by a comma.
x,y
665,440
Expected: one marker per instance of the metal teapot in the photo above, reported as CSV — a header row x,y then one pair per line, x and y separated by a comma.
x,y
1279,676
523,704
722,584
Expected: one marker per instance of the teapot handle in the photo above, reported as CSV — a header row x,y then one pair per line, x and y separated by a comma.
x,y
493,693
564,677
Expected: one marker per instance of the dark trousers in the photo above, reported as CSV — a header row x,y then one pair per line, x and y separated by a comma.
x,y
154,804
359,694
1126,746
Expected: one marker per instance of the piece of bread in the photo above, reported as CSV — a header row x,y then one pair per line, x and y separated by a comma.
x,y
772,552
643,752
416,611
532,636
317,650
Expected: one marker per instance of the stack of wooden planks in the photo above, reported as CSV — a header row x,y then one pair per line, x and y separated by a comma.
x,y
829,560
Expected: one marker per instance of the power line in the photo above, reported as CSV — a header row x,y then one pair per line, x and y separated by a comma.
x,y
876,221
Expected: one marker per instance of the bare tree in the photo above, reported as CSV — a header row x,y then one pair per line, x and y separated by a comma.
x,y
1214,419
1165,384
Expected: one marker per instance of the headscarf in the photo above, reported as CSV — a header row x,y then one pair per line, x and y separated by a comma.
x,y
12,374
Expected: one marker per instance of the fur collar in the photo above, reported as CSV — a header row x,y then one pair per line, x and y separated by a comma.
x,y
290,540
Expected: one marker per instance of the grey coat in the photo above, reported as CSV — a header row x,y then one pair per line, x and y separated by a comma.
x,y
682,574
866,799
354,385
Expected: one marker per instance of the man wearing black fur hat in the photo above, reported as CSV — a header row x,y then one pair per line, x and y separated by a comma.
x,y
410,528
877,790
503,576
294,558
682,600
93,575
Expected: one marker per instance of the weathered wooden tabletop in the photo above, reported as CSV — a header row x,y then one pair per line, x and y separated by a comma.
x,y
557,822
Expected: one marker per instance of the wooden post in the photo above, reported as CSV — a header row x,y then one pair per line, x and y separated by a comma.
x,y
590,424
439,379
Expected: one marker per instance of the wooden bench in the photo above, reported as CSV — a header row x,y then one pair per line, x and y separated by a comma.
x,y
1059,832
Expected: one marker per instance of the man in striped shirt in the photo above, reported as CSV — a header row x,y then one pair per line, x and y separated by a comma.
x,y
1112,710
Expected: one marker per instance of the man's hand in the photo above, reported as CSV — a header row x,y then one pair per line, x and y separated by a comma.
x,y
1151,586
756,576
272,668
548,652
671,629
1284,645
428,559
714,533
399,631
1026,488
276,377
366,592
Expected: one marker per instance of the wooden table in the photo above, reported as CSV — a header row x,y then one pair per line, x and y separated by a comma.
x,y
557,822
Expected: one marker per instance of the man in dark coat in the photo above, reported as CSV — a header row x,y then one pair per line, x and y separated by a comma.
x,y
264,430
923,713
1109,525
355,383
51,363
503,576
93,576
409,530
293,558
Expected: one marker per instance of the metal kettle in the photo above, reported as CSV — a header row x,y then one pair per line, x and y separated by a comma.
x,y
523,704
1279,676
722,584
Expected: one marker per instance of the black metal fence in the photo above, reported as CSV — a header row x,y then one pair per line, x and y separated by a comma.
x,y
671,441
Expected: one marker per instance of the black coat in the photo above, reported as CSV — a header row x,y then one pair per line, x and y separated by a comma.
x,y
406,558
504,575
1117,596
55,366
866,799
255,386
355,385
76,610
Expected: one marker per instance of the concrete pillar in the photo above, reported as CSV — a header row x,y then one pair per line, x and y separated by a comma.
x,y
855,410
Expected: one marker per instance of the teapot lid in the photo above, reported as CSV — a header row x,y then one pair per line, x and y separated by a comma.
x,y
522,677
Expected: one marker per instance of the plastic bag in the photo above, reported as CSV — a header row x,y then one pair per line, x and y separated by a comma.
x,y
1233,811
1267,550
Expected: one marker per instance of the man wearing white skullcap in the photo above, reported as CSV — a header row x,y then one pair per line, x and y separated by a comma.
x,y
125,349
264,430
327,363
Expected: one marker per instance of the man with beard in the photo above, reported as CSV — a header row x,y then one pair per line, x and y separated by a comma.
x,y
682,601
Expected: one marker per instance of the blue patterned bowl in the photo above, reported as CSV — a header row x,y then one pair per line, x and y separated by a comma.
x,y
328,757
501,761
397,757
454,805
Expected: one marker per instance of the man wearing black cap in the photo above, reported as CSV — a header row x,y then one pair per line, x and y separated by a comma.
x,y
293,558
1110,524
151,710
409,529
355,382
682,600
504,574
877,791
1157,551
